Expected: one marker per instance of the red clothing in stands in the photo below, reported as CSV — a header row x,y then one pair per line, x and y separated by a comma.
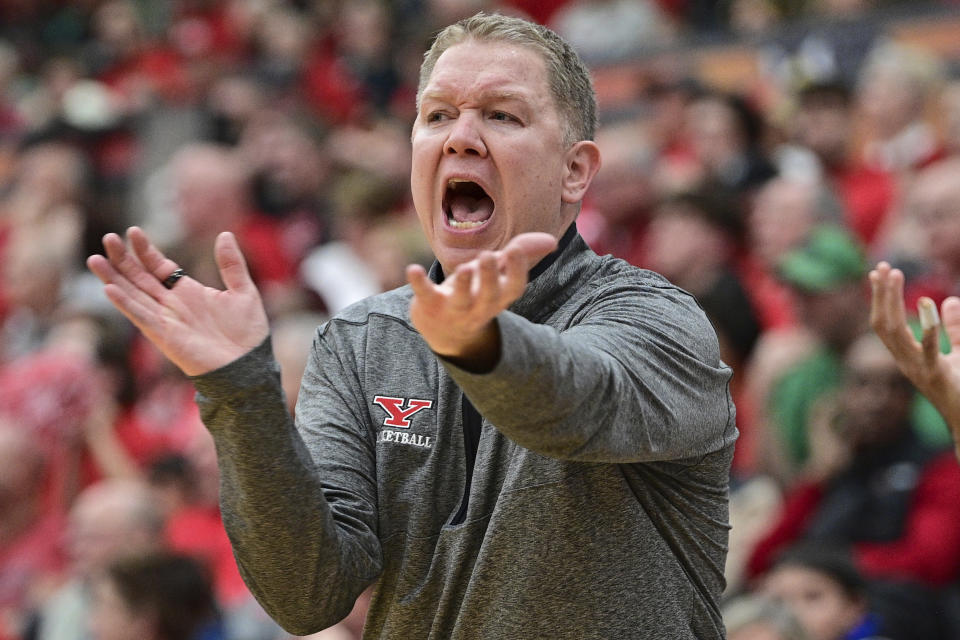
x,y
930,285
624,242
330,88
262,241
772,300
35,555
539,10
198,531
928,550
930,547
867,196
159,68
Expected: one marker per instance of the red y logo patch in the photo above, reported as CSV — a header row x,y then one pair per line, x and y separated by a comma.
x,y
397,415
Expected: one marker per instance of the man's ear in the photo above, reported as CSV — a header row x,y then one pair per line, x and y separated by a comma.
x,y
581,163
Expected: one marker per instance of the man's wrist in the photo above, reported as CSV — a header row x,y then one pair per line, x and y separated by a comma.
x,y
479,354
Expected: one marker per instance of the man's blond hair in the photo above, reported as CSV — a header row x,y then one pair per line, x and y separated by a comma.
x,y
567,76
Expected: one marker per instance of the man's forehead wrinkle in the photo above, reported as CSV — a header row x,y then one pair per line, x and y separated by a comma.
x,y
486,85
507,76
481,97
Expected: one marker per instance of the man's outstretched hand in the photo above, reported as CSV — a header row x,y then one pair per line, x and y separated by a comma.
x,y
457,316
198,328
934,374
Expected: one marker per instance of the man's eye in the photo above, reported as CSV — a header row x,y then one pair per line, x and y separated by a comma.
x,y
436,116
502,116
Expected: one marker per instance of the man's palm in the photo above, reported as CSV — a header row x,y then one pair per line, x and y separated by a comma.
x,y
198,328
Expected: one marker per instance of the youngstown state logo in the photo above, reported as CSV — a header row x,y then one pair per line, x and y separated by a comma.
x,y
397,415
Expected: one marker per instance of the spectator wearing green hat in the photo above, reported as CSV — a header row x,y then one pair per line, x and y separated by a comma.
x,y
831,260
828,275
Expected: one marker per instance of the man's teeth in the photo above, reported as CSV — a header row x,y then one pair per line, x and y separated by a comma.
x,y
465,224
467,202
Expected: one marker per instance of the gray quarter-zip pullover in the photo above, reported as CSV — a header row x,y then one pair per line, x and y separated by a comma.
x,y
596,506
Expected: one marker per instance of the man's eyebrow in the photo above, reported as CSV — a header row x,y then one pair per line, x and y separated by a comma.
x,y
504,95
507,96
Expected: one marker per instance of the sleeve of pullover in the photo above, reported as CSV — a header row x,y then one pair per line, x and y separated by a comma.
x,y
303,532
636,377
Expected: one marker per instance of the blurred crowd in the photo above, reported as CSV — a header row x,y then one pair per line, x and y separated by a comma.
x,y
287,122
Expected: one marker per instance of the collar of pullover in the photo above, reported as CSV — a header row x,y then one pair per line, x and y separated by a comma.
x,y
552,280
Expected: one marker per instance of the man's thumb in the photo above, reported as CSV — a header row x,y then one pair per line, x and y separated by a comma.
x,y
533,246
232,265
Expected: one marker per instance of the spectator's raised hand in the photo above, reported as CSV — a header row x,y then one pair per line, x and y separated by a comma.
x,y
456,316
198,328
936,375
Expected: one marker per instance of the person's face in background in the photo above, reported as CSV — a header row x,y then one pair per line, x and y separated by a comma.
x,y
112,618
935,205
889,101
488,120
781,218
823,125
109,520
824,608
713,131
756,631
684,247
209,188
875,397
622,193
837,315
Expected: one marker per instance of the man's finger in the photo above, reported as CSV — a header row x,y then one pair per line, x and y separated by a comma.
x,y
135,310
153,260
931,347
519,256
532,246
878,294
232,265
128,265
121,269
488,279
888,313
101,268
422,287
895,304
930,325
515,277
460,284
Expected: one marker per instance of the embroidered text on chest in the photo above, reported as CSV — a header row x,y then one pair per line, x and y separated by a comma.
x,y
400,411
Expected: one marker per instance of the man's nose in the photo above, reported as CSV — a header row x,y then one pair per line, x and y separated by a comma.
x,y
465,137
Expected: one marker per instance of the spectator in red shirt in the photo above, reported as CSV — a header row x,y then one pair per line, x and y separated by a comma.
x,y
824,125
895,85
783,214
934,209
622,197
875,486
122,56
30,530
212,191
727,135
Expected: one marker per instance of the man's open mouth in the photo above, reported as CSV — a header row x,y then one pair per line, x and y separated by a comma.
x,y
466,204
